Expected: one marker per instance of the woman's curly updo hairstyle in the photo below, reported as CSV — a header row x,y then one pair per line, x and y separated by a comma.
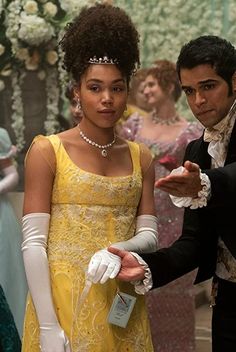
x,y
165,73
98,31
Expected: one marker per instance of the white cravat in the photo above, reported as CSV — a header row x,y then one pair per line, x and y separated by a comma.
x,y
218,138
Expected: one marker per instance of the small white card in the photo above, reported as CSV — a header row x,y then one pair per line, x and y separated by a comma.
x,y
121,309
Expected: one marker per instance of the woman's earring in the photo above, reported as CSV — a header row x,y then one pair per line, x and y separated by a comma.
x,y
78,106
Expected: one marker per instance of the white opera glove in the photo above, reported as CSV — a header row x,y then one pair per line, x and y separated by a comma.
x,y
53,338
103,266
35,235
9,180
146,236
144,241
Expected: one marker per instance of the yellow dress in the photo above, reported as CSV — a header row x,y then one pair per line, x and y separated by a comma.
x,y
88,213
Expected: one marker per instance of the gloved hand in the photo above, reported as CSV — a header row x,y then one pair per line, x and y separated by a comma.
x,y
103,266
53,339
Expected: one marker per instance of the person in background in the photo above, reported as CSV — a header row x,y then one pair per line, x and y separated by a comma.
x,y
137,103
205,186
74,110
86,188
12,275
137,100
167,134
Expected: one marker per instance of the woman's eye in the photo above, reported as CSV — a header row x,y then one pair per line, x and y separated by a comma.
x,y
118,89
94,88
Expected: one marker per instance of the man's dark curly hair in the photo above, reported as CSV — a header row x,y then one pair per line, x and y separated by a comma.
x,y
98,31
211,50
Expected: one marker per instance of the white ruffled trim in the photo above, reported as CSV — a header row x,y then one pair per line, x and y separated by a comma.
x,y
200,201
142,287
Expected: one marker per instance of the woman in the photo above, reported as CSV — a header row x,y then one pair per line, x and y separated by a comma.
x,y
12,277
171,309
136,100
84,188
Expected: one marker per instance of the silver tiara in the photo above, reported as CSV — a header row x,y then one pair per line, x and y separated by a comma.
x,y
102,60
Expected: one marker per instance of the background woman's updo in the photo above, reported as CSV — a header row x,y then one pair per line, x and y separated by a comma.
x,y
165,73
98,31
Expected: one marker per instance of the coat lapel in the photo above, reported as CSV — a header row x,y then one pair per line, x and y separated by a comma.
x,y
200,154
231,154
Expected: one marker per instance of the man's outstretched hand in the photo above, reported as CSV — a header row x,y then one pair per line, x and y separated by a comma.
x,y
130,270
185,184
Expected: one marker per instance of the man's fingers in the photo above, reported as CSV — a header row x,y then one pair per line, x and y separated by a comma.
x,y
167,189
172,185
121,253
174,180
191,167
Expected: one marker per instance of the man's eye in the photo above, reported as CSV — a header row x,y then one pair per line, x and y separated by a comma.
x,y
188,91
208,86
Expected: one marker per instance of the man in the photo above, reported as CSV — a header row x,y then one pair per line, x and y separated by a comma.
x,y
207,72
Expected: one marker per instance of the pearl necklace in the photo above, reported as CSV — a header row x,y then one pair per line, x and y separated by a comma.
x,y
158,120
103,147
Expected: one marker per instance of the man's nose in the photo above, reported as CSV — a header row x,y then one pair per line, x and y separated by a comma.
x,y
199,99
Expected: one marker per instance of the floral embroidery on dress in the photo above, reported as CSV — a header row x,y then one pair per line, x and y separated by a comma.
x,y
88,213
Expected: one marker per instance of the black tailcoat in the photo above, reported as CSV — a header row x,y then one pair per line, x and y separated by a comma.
x,y
197,246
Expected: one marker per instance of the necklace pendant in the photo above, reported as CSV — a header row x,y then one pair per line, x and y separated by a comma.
x,y
104,153
100,146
